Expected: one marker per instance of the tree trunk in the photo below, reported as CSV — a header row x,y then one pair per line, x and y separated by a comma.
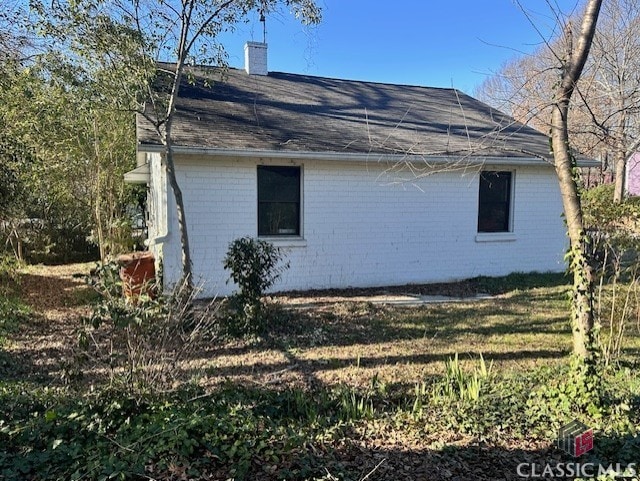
x,y
584,332
186,282
19,252
621,151
621,164
98,217
97,198
582,296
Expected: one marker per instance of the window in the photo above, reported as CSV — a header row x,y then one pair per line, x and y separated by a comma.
x,y
494,211
278,201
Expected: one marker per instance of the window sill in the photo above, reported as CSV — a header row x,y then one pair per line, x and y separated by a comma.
x,y
496,237
285,241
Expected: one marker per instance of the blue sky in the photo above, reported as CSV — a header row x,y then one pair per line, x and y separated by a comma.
x,y
440,43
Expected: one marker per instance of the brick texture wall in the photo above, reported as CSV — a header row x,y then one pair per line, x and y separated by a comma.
x,y
362,227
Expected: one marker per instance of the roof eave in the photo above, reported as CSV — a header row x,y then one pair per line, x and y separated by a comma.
x,y
140,175
468,159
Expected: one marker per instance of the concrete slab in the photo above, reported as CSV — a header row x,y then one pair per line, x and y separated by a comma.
x,y
418,300
383,299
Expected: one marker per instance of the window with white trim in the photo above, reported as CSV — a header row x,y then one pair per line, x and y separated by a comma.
x,y
494,201
278,201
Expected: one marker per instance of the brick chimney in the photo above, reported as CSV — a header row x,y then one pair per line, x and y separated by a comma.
x,y
255,58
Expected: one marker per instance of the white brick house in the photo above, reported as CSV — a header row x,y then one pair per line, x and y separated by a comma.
x,y
321,167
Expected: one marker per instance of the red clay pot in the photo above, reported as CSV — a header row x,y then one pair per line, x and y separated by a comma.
x,y
137,273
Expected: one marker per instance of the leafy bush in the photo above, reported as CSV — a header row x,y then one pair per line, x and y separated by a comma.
x,y
9,278
614,230
12,311
8,265
255,266
105,280
601,212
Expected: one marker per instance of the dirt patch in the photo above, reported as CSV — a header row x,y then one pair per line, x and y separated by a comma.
x,y
57,298
51,290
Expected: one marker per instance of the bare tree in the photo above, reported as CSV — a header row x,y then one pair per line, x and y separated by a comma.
x,y
192,26
530,89
572,64
522,87
132,35
610,90
604,120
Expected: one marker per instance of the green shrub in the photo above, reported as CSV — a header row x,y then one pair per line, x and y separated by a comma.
x,y
12,311
614,230
601,212
613,226
9,278
105,280
255,266
8,265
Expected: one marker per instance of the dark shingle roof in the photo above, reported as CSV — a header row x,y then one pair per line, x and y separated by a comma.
x,y
300,113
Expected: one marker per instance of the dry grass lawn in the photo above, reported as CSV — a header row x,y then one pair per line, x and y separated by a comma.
x,y
328,338
324,339
354,342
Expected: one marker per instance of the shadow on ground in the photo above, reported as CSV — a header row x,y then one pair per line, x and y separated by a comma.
x,y
44,342
309,368
477,462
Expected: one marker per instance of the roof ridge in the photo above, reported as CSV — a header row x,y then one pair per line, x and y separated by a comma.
x,y
321,77
369,82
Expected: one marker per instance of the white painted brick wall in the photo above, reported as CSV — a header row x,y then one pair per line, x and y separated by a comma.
x,y
156,204
362,230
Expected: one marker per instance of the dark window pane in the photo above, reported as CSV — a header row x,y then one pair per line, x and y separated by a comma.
x,y
494,186
278,218
494,202
278,184
278,201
